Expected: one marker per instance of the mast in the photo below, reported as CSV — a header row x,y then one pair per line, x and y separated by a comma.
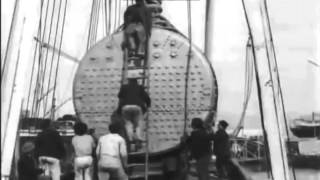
x,y
268,87
317,71
9,42
209,29
13,118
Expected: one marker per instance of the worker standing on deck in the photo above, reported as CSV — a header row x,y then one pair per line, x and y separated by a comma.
x,y
83,145
199,144
137,27
112,155
222,149
133,102
49,148
27,169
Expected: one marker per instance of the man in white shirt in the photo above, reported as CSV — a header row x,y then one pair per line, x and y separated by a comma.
x,y
112,155
83,145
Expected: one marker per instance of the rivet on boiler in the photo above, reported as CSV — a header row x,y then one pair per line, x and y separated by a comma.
x,y
156,43
173,54
156,55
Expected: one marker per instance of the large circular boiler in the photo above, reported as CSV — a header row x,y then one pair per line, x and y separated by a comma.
x,y
98,79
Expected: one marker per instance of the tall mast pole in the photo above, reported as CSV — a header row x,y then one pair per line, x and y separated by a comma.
x,y
267,87
5,62
209,29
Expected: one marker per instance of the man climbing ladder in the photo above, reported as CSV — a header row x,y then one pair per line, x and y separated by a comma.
x,y
137,28
134,102
133,98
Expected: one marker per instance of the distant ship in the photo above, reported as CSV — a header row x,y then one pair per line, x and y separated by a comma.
x,y
305,128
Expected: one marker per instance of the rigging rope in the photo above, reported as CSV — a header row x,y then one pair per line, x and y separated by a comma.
x,y
188,68
35,104
46,58
90,24
58,61
248,87
275,66
34,56
258,89
109,17
52,58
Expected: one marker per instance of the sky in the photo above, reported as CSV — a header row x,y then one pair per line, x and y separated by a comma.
x,y
295,26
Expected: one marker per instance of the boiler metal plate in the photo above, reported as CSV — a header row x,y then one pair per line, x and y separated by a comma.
x,y
98,78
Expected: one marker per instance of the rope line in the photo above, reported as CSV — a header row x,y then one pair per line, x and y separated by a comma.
x,y
52,58
90,24
277,74
58,61
188,68
258,89
274,93
46,58
34,57
35,104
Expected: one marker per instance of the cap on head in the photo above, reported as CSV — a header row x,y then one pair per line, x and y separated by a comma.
x,y
27,147
197,123
223,123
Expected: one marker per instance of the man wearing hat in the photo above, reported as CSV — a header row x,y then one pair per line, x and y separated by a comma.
x,y
27,168
137,27
222,149
133,103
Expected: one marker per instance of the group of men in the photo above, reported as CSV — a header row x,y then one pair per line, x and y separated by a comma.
x,y
108,155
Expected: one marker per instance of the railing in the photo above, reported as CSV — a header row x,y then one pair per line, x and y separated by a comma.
x,y
246,150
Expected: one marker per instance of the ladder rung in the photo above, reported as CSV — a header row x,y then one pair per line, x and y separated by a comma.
x,y
136,68
141,77
135,58
135,165
141,175
135,153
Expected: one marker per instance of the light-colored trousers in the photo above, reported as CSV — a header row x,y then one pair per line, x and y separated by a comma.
x,y
133,116
110,167
83,168
51,166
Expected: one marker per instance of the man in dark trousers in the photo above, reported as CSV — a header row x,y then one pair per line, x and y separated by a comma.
x,y
137,27
49,149
222,149
27,169
199,143
133,103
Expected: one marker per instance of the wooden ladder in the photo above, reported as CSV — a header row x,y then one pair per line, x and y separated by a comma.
x,y
137,67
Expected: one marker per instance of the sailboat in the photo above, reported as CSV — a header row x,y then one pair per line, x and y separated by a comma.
x,y
305,128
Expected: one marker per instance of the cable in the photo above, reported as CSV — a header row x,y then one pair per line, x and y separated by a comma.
x,y
34,56
90,24
46,57
58,61
35,101
258,88
277,72
188,68
52,58
247,89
